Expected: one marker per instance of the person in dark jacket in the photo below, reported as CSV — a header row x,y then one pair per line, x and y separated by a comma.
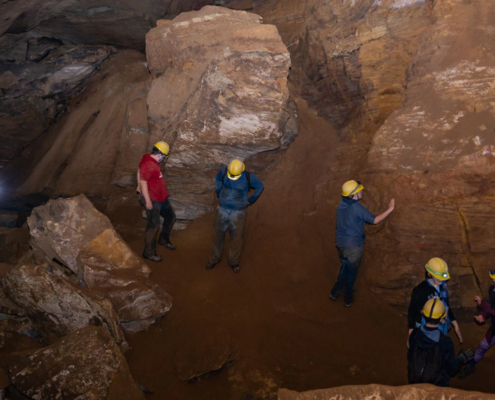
x,y
486,311
431,357
435,285
232,188
349,237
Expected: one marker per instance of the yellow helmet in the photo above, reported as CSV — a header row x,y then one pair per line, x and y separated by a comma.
x,y
351,187
438,268
434,308
492,274
163,147
235,169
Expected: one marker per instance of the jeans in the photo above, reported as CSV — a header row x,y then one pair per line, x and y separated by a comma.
x,y
350,259
233,221
163,208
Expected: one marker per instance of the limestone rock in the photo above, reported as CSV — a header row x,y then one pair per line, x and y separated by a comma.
x,y
436,156
382,392
134,298
85,364
63,227
58,305
35,93
219,91
100,143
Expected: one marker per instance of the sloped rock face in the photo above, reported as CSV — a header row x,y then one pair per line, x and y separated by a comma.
x,y
219,91
436,155
101,141
35,93
382,392
85,365
64,227
58,305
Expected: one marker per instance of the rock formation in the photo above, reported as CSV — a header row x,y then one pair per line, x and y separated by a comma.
x,y
85,365
58,305
219,91
73,232
382,392
34,93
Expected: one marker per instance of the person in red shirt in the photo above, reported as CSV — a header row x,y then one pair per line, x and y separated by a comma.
x,y
154,196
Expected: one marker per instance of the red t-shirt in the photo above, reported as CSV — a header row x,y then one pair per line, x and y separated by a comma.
x,y
149,171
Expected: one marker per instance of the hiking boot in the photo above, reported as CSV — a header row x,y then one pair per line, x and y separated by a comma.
x,y
235,268
334,298
467,370
347,304
167,243
155,258
209,266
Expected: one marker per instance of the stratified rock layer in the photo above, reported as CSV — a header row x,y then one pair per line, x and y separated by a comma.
x,y
219,92
381,392
58,305
436,155
86,364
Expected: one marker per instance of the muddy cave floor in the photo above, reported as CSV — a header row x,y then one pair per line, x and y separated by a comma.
x,y
276,313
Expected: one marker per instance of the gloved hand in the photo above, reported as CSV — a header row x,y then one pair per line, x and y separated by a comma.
x,y
465,356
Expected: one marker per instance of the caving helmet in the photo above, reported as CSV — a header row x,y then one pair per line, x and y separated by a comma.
x,y
438,268
235,169
350,188
163,147
434,309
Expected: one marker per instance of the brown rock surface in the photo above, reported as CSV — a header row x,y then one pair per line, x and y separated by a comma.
x,y
64,227
35,93
137,300
58,305
219,91
382,392
86,364
436,155
103,138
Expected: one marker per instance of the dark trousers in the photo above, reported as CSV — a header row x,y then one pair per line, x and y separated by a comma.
x,y
351,260
233,221
163,208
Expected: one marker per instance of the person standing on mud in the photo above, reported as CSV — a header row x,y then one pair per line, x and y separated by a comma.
x,y
154,196
232,188
349,237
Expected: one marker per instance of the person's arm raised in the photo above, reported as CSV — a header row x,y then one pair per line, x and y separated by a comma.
x,y
386,213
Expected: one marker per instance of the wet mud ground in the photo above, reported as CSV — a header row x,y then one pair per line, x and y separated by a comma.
x,y
276,315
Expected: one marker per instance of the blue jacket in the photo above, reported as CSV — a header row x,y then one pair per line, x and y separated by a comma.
x,y
233,195
351,217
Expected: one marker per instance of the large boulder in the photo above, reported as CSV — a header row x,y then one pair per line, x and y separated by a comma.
x,y
382,392
86,364
35,93
138,301
64,227
58,305
219,91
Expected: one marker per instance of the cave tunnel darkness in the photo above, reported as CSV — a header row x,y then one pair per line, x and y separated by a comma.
x,y
380,96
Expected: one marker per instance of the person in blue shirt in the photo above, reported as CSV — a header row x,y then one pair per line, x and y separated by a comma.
x,y
349,237
232,188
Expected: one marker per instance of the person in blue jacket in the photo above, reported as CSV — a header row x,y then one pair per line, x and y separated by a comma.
x,y
349,237
232,187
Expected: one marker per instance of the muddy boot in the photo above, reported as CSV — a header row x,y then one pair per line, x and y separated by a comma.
x,y
167,243
235,268
154,258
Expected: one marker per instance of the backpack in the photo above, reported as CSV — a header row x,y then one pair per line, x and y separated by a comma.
x,y
426,365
